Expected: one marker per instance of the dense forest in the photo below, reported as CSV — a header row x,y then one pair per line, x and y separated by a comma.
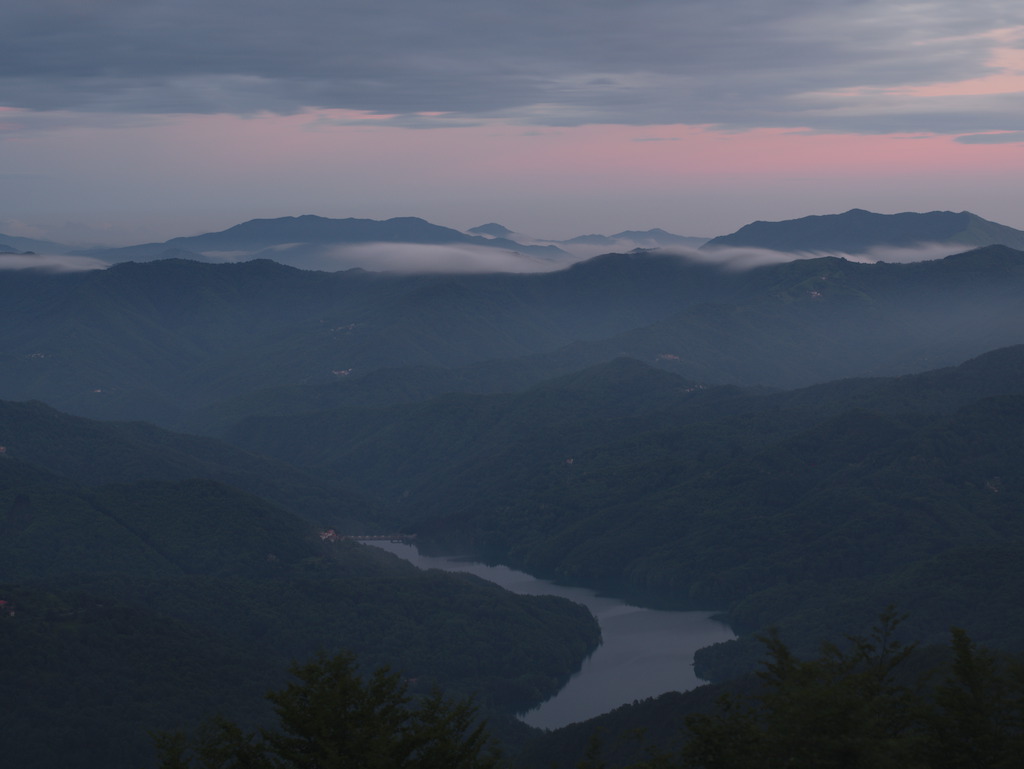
x,y
795,447
874,700
871,700
191,346
778,506
151,604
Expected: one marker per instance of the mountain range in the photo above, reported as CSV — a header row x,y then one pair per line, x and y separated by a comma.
x,y
165,340
625,240
781,505
316,242
148,582
858,231
313,242
793,444
320,243
17,244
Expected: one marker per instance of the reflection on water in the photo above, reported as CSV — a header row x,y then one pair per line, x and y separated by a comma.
x,y
644,652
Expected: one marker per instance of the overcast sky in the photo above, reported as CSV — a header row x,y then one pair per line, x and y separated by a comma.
x,y
133,120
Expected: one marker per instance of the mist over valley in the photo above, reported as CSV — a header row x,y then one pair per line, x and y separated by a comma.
x,y
699,325
793,426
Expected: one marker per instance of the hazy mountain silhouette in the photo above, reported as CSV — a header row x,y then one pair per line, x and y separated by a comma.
x,y
857,231
618,424
859,492
656,238
152,588
316,242
16,244
154,340
492,230
625,240
297,239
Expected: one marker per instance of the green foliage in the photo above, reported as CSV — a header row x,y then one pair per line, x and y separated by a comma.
x,y
331,718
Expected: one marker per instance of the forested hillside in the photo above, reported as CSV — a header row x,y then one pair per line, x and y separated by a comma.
x,y
795,446
780,507
144,599
175,342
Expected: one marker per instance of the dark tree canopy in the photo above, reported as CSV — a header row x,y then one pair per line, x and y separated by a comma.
x,y
331,717
856,708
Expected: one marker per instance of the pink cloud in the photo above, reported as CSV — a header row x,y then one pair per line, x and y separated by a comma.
x,y
209,172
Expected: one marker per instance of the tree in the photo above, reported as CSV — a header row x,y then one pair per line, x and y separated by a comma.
x,y
843,710
332,718
856,708
979,717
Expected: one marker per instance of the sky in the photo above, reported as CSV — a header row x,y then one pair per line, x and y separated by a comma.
x,y
125,121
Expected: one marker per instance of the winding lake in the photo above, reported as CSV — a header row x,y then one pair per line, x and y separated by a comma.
x,y
644,652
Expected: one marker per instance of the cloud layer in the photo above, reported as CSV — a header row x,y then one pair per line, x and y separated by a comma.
x,y
50,262
425,258
742,258
838,65
418,258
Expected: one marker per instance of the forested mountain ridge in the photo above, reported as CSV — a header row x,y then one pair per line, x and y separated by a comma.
x,y
90,452
307,241
778,506
149,340
617,424
163,341
140,595
304,239
857,231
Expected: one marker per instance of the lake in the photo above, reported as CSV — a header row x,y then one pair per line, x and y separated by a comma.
x,y
644,652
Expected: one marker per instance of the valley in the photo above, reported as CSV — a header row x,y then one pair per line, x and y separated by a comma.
x,y
794,445
643,652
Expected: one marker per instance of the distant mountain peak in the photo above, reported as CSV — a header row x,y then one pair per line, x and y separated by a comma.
x,y
657,231
654,238
14,244
857,231
491,230
309,241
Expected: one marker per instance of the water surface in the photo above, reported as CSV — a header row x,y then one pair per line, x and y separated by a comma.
x,y
644,652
